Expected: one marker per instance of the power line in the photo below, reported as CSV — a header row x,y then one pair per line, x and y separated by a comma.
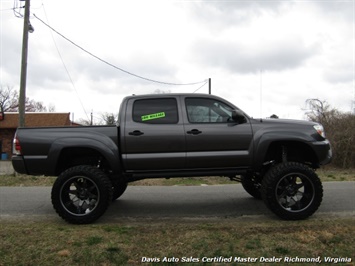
x,y
201,86
116,67
66,69
16,6
6,9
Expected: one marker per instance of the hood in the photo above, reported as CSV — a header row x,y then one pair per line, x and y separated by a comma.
x,y
273,121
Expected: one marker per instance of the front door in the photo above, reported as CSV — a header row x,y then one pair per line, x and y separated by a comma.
x,y
213,139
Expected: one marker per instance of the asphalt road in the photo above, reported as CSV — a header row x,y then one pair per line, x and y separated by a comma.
x,y
173,202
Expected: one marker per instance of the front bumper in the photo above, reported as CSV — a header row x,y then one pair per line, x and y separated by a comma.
x,y
323,151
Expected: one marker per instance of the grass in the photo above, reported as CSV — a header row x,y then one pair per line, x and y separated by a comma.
x,y
143,241
26,180
325,174
130,242
334,174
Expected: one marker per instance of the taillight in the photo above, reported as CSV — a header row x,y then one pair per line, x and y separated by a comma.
x,y
16,147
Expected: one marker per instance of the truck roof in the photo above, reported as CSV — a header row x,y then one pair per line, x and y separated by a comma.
x,y
169,95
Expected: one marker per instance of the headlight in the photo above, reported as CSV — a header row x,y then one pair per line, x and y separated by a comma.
x,y
319,128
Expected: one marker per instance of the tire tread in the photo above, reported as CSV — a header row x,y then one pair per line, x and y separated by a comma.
x,y
268,190
97,176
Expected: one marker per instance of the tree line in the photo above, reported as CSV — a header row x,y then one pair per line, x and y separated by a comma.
x,y
9,102
339,128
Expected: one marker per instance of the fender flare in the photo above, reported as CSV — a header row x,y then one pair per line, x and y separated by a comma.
x,y
265,139
98,142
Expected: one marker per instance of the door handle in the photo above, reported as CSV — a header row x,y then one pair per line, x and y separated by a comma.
x,y
194,132
136,133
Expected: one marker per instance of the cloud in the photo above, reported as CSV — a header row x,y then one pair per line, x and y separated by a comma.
x,y
10,49
246,36
271,54
131,71
336,10
220,15
305,49
339,73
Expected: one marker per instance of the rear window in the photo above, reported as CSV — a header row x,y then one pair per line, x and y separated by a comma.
x,y
156,111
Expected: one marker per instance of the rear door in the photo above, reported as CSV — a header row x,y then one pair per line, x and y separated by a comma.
x,y
213,139
154,138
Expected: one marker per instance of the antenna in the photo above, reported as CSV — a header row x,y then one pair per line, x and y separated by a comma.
x,y
353,103
261,93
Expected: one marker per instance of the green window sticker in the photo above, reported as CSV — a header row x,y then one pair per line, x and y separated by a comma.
x,y
153,116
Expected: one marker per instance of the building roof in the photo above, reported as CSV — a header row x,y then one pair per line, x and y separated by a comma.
x,y
36,120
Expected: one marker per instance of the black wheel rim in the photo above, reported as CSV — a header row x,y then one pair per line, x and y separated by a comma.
x,y
295,192
79,195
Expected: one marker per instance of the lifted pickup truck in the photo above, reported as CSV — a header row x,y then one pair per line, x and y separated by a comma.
x,y
177,135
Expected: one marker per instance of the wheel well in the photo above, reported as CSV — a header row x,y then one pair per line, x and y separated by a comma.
x,y
70,157
291,151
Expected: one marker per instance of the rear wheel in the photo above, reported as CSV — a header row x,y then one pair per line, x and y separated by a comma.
x,y
292,191
81,194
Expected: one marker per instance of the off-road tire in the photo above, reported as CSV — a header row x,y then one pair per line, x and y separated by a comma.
x,y
251,185
292,190
81,194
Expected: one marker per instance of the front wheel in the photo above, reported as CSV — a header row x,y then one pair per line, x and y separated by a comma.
x,y
292,191
81,194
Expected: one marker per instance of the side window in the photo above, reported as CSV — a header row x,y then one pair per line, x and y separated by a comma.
x,y
201,110
155,111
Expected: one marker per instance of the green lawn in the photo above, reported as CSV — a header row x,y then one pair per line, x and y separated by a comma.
x,y
131,242
327,174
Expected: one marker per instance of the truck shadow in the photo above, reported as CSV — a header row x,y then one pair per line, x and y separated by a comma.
x,y
185,202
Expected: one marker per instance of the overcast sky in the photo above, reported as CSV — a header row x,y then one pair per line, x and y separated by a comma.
x,y
267,57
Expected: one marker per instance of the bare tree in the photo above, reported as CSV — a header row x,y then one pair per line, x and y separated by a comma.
x,y
9,102
320,111
84,122
110,118
159,91
339,128
33,106
51,108
8,99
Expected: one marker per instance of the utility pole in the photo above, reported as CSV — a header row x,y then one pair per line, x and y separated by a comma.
x,y
209,86
22,98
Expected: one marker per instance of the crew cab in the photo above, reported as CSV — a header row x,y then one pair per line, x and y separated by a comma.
x,y
177,135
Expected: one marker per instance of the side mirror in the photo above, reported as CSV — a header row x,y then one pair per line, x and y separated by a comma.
x,y
238,117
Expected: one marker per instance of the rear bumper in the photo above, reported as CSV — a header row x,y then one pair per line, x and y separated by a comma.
x,y
19,164
32,165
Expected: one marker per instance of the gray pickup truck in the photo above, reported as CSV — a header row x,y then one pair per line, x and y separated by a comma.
x,y
177,135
